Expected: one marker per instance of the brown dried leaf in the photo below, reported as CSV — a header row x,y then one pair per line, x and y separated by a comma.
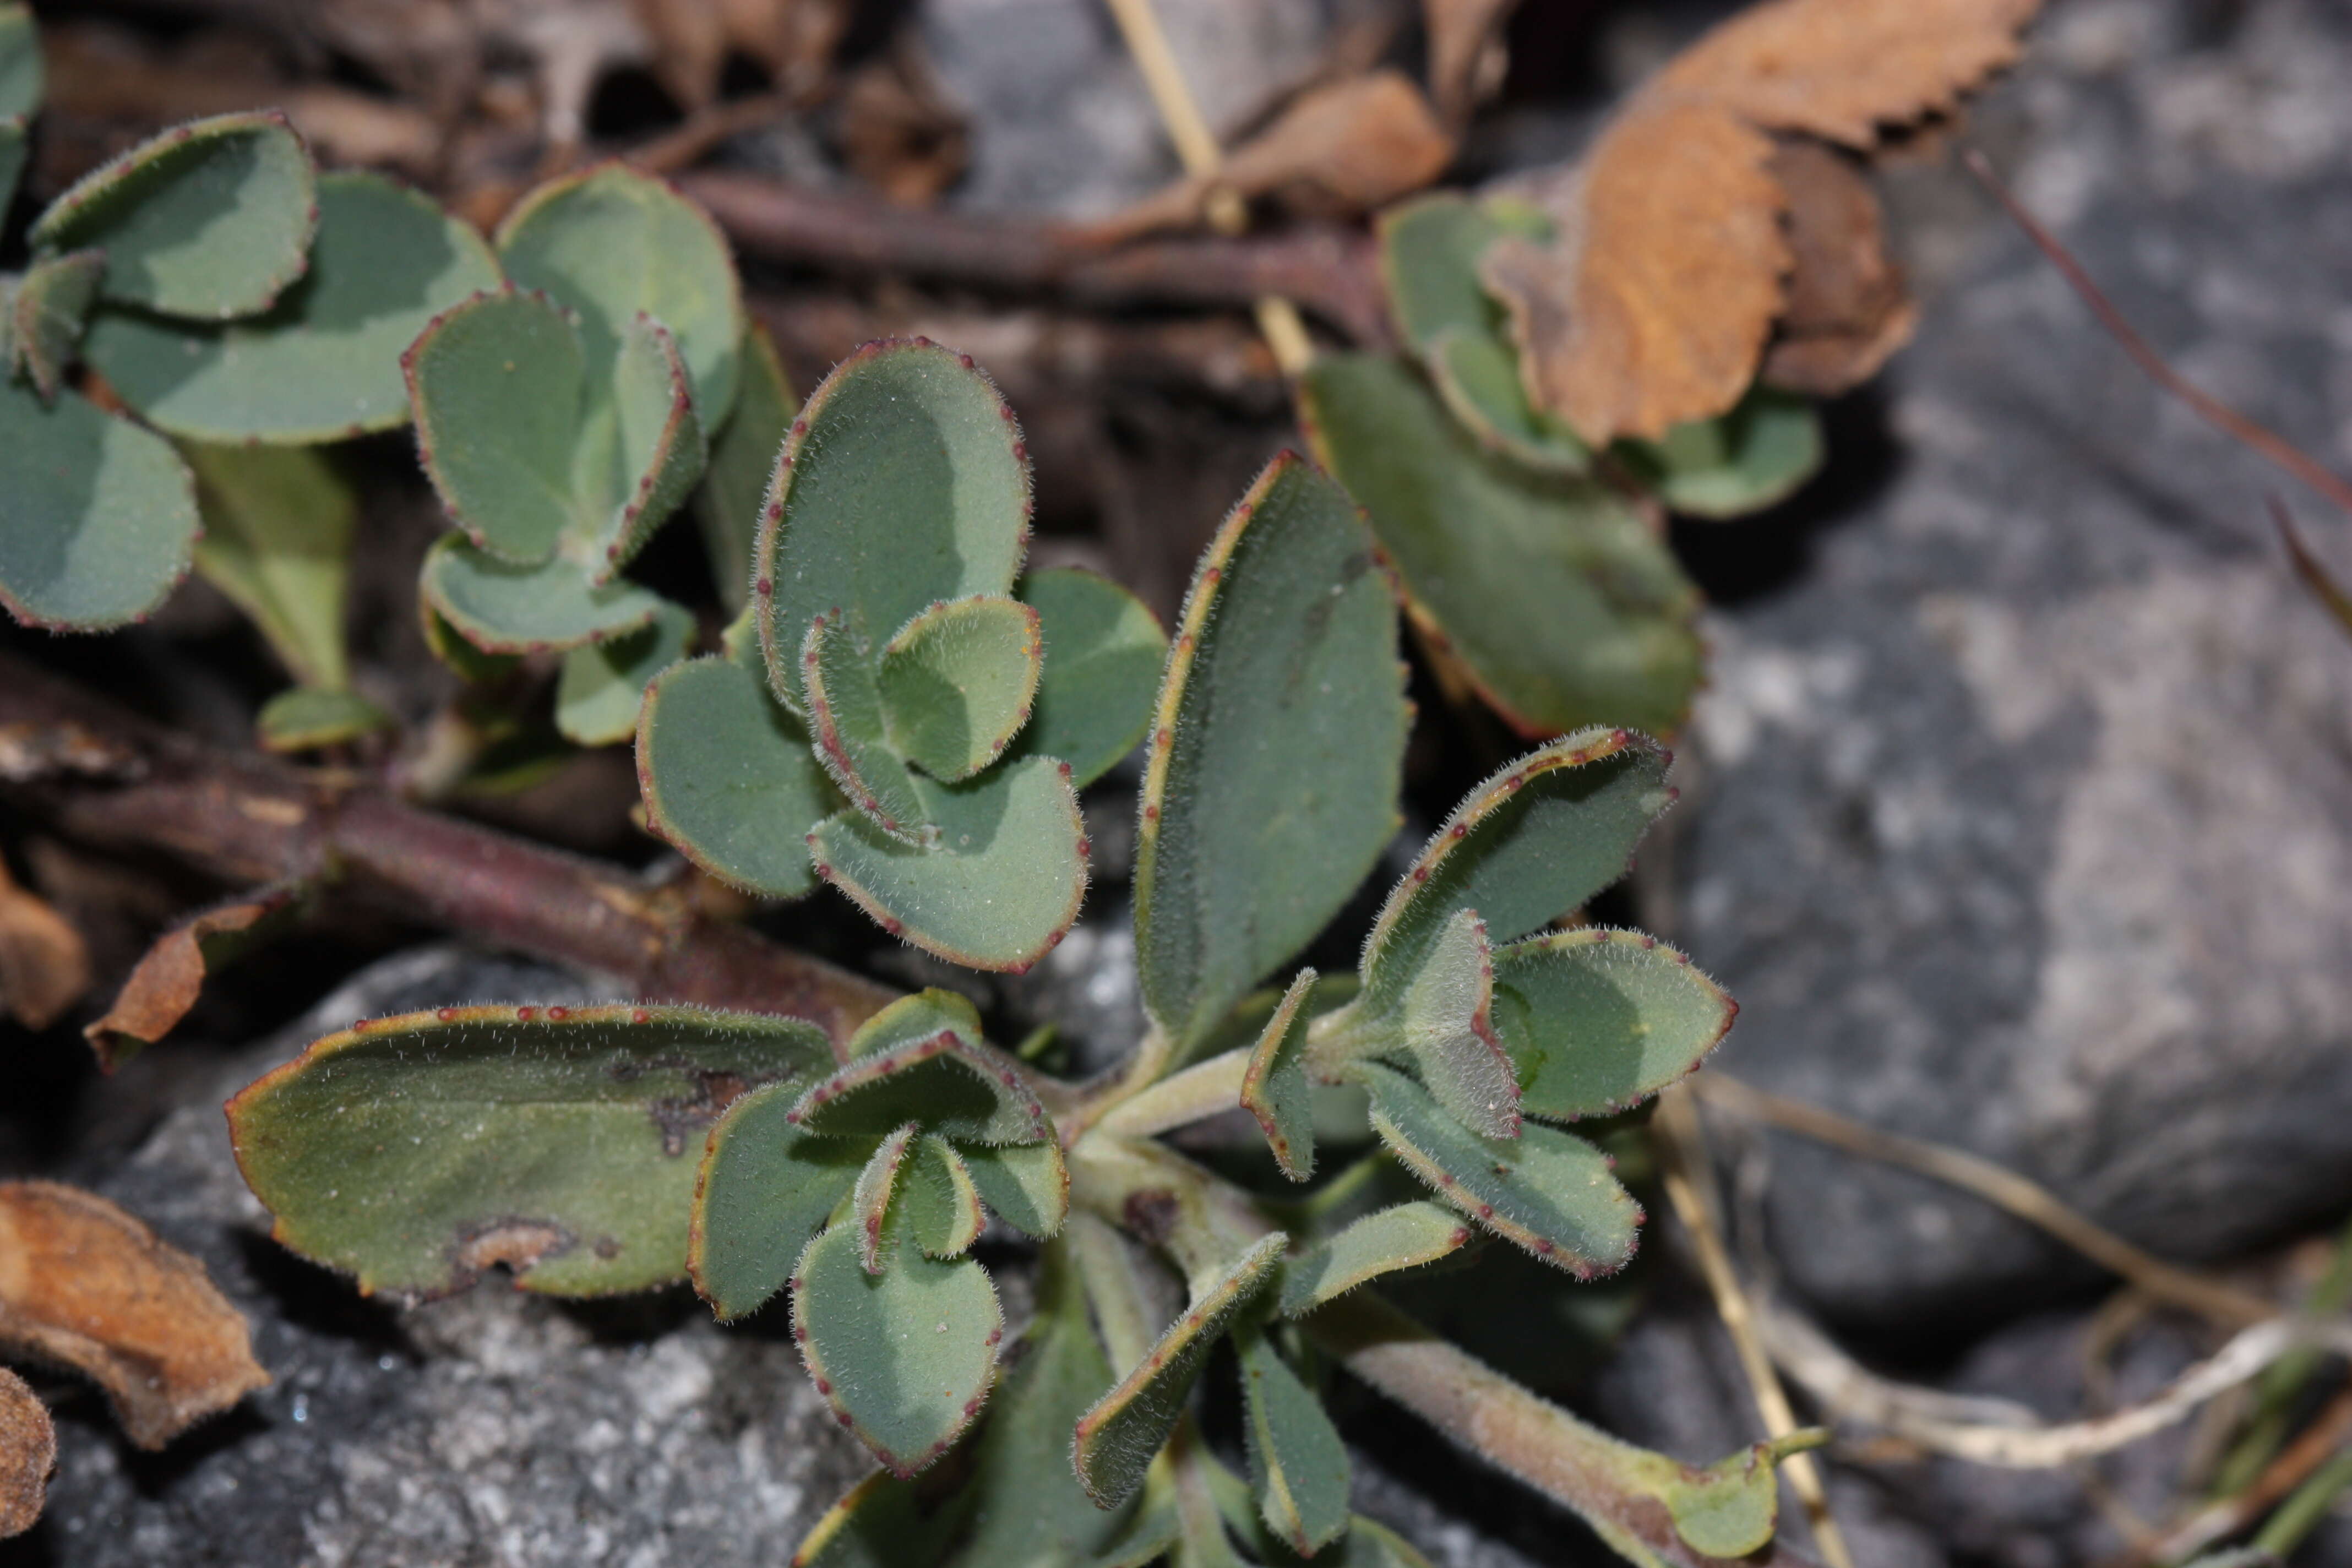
x,y
1623,328
1466,62
1344,148
29,1451
1847,307
167,981
44,963
898,132
84,1284
1844,70
1659,314
793,39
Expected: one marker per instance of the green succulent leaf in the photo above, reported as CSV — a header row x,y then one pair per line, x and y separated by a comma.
x,y
1730,1509
1104,651
1599,1020
1546,1190
1299,1466
1021,1506
1119,1435
1535,841
1276,752
1403,1235
210,219
1561,606
98,517
278,523
47,314
1026,1185
15,133
658,443
942,1202
20,61
602,686
1758,454
324,361
844,693
917,1017
904,482
1430,251
762,1190
727,777
610,243
496,386
304,718
957,682
1477,377
416,1151
905,1355
1448,1028
961,1090
877,1184
1002,883
1275,1086
502,608
742,460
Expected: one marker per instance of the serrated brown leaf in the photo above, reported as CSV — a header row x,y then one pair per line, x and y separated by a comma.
x,y
1847,307
44,963
85,1285
29,1451
1623,328
1465,55
1347,147
1660,314
167,980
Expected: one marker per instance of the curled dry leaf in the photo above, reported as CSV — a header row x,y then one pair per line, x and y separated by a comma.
x,y
29,1451
1624,327
170,974
85,1285
1343,148
44,963
1466,62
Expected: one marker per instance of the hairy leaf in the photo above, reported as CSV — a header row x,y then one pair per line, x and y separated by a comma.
x,y
904,482
657,448
209,219
904,1356
1477,377
917,1017
1535,841
1276,749
1299,1466
877,1184
1104,650
304,718
727,777
278,542
1562,606
20,61
84,1284
323,363
763,1188
1545,1190
956,682
47,314
844,693
1118,1438
942,1203
742,457
1275,1086
416,1151
610,243
601,686
28,1443
171,973
1597,1020
504,608
496,386
1003,883
98,517
1740,461
956,1088
1026,1185
1447,1024
1403,1235
1728,1510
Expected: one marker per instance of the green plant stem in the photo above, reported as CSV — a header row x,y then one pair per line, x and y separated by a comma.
x,y
2302,1513
1199,1091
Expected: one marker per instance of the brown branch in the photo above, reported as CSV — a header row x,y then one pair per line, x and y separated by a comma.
x,y
1329,271
101,775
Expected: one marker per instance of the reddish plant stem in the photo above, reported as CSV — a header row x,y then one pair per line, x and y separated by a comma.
x,y
102,775
1329,271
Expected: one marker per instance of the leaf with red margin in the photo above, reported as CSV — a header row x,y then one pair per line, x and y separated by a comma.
x,y
959,1089
1275,1086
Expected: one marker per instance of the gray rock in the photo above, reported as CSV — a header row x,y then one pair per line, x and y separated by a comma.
x,y
2024,815
496,1428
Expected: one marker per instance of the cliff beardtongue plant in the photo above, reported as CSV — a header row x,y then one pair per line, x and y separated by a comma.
x,y
883,687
